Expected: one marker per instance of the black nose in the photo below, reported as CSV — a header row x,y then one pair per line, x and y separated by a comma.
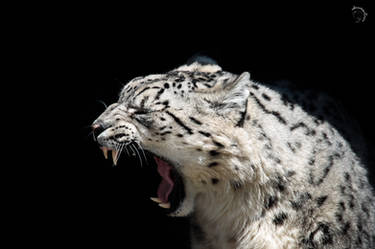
x,y
97,129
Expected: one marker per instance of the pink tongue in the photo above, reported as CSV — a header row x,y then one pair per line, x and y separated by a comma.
x,y
166,185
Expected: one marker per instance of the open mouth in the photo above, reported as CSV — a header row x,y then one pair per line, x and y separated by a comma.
x,y
170,192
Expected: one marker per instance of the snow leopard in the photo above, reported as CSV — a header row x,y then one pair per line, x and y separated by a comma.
x,y
252,165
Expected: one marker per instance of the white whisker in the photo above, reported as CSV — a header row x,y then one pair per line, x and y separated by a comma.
x,y
139,156
133,154
121,146
143,152
102,102
126,148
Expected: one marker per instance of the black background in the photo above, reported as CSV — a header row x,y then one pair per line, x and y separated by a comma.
x,y
89,52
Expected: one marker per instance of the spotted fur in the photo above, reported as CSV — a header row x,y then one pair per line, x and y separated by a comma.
x,y
263,166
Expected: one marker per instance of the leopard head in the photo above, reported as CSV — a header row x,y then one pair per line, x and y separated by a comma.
x,y
191,119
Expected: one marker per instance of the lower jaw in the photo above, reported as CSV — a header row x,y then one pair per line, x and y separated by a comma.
x,y
176,198
182,199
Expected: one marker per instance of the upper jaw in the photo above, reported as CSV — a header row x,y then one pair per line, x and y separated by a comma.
x,y
111,146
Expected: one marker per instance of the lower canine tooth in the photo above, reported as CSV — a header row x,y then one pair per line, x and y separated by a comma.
x,y
155,199
165,205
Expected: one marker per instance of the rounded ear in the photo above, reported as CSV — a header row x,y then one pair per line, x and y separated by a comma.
x,y
234,102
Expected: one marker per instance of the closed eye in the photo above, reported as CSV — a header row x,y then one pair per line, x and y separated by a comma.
x,y
143,119
141,112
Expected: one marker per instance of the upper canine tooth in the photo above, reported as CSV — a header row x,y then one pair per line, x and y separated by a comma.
x,y
165,205
114,156
105,152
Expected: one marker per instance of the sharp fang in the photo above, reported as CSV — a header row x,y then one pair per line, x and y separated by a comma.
x,y
105,152
114,156
165,205
155,199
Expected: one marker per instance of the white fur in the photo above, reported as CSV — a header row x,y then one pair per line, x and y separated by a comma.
x,y
266,156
